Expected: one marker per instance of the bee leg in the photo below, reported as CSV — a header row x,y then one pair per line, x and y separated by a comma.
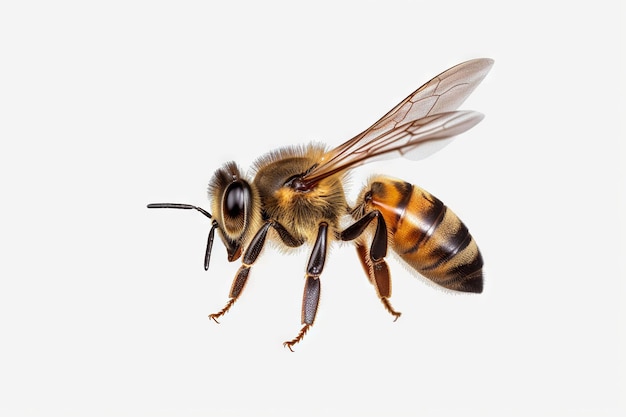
x,y
364,257
378,274
311,297
253,251
373,259
286,237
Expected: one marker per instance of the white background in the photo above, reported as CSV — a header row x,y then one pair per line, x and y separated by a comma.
x,y
108,106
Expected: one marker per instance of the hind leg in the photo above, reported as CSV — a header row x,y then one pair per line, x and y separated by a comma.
x,y
373,258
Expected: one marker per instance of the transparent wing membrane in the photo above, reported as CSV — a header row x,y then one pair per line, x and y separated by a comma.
x,y
425,116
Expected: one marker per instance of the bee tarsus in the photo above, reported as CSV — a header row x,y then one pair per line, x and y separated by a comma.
x,y
289,344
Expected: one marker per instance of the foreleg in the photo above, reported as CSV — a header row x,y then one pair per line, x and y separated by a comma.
x,y
252,252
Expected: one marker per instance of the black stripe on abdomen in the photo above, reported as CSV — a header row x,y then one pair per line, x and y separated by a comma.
x,y
431,217
450,247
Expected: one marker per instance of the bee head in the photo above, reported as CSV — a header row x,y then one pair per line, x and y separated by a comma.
x,y
233,201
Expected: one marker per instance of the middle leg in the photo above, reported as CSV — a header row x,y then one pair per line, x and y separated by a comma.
x,y
312,288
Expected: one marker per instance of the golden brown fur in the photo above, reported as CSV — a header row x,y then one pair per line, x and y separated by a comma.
x,y
299,212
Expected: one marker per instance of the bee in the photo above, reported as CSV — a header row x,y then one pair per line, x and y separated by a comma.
x,y
295,196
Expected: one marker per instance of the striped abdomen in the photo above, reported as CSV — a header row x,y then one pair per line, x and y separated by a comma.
x,y
428,235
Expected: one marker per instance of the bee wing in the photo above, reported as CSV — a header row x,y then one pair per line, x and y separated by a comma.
x,y
403,125
409,138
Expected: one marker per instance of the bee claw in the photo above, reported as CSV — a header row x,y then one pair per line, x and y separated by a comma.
x,y
223,311
290,343
389,308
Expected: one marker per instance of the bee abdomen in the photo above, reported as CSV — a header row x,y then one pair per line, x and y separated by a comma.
x,y
432,239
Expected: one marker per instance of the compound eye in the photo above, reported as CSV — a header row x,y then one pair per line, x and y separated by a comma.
x,y
235,206
234,200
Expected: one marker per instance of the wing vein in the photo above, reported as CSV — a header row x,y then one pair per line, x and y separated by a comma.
x,y
424,116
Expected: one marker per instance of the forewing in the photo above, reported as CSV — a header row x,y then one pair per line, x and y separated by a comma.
x,y
444,93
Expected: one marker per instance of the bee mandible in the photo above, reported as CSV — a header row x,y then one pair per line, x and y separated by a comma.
x,y
295,196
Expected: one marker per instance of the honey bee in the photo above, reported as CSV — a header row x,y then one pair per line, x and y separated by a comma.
x,y
295,196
